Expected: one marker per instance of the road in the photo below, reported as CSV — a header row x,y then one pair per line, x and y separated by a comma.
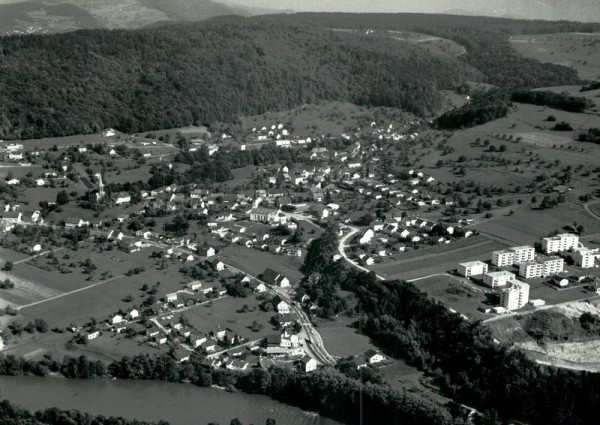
x,y
342,249
590,212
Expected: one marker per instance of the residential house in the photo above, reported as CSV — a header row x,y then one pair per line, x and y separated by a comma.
x,y
92,335
273,278
283,308
206,251
308,364
181,355
122,198
373,357
195,285
258,287
217,264
71,222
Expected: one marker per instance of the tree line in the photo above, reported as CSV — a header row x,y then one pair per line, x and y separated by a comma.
x,y
552,100
11,414
483,107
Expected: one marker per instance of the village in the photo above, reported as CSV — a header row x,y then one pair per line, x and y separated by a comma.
x,y
214,270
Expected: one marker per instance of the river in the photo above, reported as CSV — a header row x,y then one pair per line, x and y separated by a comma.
x,y
179,404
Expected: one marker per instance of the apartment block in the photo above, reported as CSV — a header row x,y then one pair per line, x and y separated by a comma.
x,y
495,279
503,258
514,255
541,267
558,243
523,254
516,296
552,265
531,269
472,268
585,257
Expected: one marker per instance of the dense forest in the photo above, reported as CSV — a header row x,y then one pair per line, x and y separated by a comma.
x,y
485,39
484,106
217,70
463,357
552,100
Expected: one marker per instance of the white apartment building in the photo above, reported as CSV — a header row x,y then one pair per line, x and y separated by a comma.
x,y
503,258
541,267
495,279
558,243
472,268
585,257
516,296
514,255
531,269
523,253
552,265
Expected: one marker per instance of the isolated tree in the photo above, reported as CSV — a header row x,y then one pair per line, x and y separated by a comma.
x,y
62,197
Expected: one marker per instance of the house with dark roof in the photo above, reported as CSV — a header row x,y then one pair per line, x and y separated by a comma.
x,y
274,278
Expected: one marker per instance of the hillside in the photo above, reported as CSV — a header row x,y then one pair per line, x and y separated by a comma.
x,y
52,16
214,71
573,10
485,39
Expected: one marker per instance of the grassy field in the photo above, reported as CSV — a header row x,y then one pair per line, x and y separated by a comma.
x,y
465,298
595,208
107,347
226,313
539,223
434,260
529,140
342,339
18,171
578,51
438,45
255,262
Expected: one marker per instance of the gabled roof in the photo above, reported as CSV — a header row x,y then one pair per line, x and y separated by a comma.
x,y
270,276
370,353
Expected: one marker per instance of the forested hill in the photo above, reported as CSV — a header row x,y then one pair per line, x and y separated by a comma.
x,y
217,70
220,69
485,39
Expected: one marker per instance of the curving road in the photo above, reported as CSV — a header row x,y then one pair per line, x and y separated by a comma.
x,y
342,249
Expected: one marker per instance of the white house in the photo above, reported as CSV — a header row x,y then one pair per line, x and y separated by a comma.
x,y
274,278
308,364
122,198
373,357
116,319
283,308
367,237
